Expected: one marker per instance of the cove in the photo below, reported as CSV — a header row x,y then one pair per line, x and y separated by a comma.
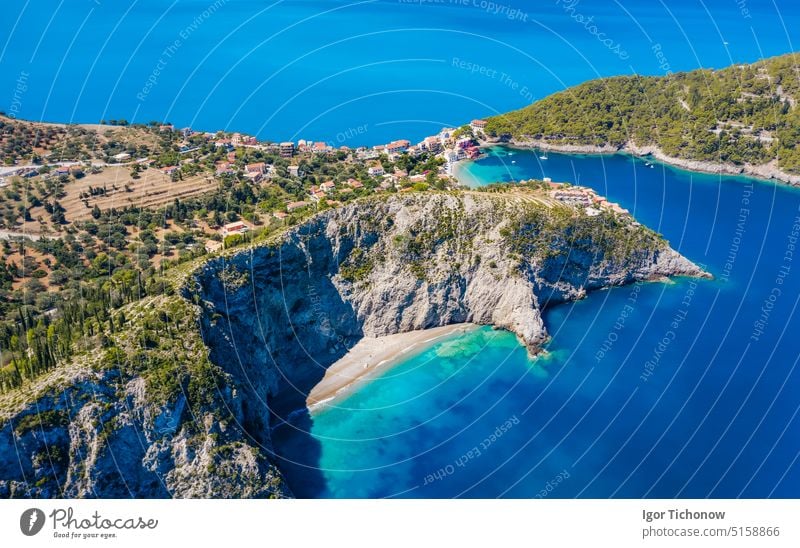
x,y
658,390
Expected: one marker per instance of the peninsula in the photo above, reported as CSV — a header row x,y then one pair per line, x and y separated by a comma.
x,y
738,120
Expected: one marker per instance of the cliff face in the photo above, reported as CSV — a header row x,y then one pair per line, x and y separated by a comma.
x,y
279,316
274,317
102,428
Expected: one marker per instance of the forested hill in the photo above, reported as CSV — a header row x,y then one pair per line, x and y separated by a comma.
x,y
740,114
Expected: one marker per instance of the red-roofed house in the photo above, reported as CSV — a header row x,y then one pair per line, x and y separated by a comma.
x,y
397,146
478,124
352,183
292,206
259,167
237,227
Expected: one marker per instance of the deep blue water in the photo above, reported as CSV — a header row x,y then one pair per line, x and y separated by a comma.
x,y
351,72
713,415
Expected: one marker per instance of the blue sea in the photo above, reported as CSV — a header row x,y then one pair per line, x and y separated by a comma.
x,y
352,72
682,389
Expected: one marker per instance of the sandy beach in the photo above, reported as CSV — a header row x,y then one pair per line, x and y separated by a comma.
x,y
373,355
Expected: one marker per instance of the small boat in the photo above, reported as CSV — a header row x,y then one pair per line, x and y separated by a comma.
x,y
513,161
543,156
648,164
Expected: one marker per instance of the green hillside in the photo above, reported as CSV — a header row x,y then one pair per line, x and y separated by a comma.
x,y
740,114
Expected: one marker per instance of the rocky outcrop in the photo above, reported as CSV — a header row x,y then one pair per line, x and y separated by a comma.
x,y
275,316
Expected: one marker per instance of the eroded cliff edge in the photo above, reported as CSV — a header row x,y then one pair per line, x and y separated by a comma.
x,y
273,317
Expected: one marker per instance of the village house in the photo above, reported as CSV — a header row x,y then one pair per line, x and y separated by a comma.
x,y
376,170
224,169
478,125
320,148
431,144
280,215
473,152
573,197
464,142
237,227
446,136
254,176
293,206
352,183
455,155
259,167
363,153
287,149
187,148
212,246
396,147
122,156
294,171
328,186
169,170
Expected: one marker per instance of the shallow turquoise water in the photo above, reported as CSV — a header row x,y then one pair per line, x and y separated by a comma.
x,y
653,390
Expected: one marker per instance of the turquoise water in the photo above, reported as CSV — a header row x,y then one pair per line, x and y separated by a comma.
x,y
655,390
351,72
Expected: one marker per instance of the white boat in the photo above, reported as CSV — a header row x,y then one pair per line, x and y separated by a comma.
x,y
543,156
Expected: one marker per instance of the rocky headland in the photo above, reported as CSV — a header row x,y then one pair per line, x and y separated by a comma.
x,y
183,402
